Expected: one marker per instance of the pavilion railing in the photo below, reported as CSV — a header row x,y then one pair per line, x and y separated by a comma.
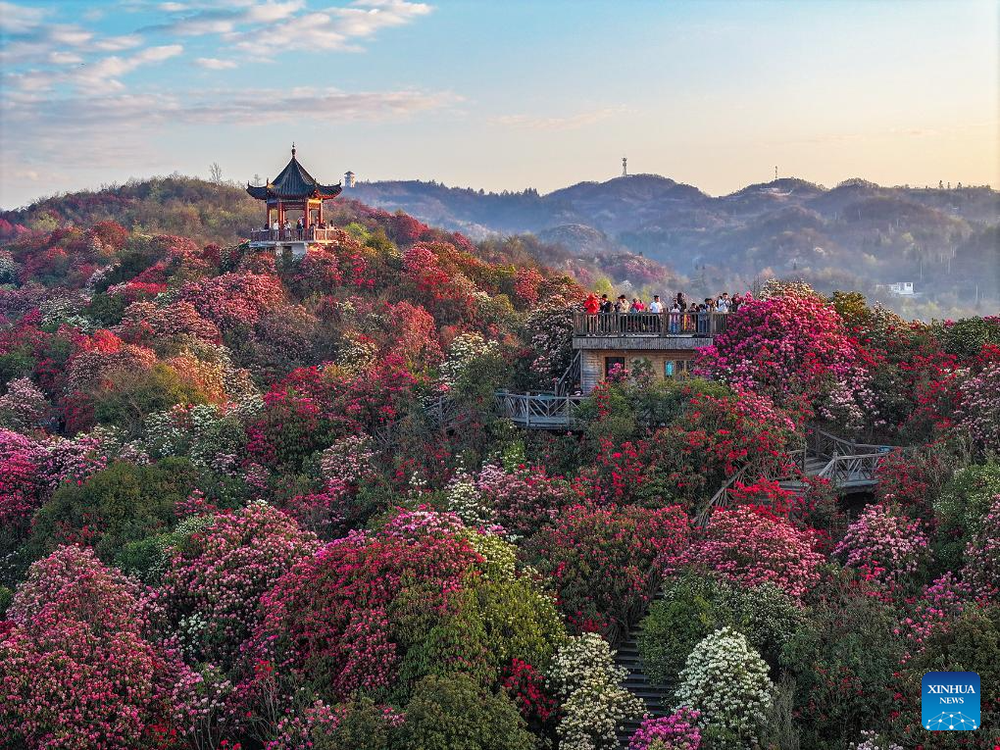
x,y
309,234
663,324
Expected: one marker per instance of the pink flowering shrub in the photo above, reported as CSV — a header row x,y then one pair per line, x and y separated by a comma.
x,y
214,580
75,669
982,555
785,345
752,548
22,406
584,543
678,731
232,300
22,483
979,413
884,544
523,500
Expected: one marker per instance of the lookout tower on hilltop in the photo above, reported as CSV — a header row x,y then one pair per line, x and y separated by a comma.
x,y
294,201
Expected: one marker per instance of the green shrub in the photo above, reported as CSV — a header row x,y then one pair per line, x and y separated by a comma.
x,y
123,503
843,660
130,396
455,713
959,510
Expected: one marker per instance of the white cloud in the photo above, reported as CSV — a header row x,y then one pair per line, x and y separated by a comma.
x,y
118,43
214,63
568,122
105,73
19,19
64,58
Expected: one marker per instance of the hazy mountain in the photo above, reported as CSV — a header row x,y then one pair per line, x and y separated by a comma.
x,y
857,234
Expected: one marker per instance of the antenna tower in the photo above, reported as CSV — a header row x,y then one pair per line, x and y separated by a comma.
x,y
624,166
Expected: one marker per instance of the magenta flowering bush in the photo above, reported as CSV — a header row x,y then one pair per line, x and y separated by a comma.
x,y
678,731
214,580
940,604
753,547
792,344
982,555
884,544
22,483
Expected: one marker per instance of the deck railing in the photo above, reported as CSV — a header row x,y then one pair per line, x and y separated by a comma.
x,y
541,410
309,234
649,324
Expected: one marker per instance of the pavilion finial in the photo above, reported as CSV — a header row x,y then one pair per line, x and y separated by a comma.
x,y
293,149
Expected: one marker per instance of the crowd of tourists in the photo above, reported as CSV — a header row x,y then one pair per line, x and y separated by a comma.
x,y
723,303
299,227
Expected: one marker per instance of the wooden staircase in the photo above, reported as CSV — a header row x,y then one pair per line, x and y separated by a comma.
x,y
656,697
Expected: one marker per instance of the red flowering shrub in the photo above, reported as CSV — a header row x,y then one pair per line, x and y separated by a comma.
x,y
754,548
716,436
324,619
585,543
526,687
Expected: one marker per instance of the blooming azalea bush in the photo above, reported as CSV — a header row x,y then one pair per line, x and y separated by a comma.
x,y
678,731
982,555
523,499
789,344
726,681
75,667
214,579
752,548
884,544
584,676
586,541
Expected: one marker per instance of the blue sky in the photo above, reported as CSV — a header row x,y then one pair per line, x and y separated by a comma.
x,y
501,95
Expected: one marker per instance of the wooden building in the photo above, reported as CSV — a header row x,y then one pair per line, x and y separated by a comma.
x,y
666,341
291,198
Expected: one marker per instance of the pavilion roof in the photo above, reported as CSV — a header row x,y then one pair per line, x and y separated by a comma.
x,y
293,182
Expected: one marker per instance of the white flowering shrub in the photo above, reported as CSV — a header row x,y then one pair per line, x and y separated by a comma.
x,y
726,680
9,268
871,741
22,406
464,350
466,501
350,460
584,676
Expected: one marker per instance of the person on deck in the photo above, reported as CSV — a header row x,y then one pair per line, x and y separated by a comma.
x,y
606,306
299,225
590,305
656,306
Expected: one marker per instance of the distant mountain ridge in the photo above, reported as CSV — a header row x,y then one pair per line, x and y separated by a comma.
x,y
855,235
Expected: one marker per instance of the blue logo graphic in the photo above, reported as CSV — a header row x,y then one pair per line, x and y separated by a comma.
x,y
950,701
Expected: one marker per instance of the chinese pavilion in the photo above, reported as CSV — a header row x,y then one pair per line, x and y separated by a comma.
x,y
294,191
